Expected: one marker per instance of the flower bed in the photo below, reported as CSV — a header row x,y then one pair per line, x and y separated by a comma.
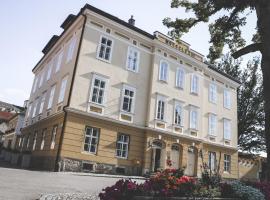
x,y
172,184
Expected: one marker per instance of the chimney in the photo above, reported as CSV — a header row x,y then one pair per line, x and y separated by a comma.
x,y
131,21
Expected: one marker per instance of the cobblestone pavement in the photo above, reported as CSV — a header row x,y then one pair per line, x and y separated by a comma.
x,y
18,184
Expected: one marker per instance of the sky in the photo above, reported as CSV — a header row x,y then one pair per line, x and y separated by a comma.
x,y
27,25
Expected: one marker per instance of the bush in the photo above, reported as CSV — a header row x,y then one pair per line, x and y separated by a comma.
x,y
240,190
264,187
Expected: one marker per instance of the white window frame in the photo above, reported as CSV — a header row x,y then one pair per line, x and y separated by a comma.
x,y
49,72
180,104
42,102
101,78
122,144
43,137
91,137
212,164
59,59
227,98
131,50
164,73
29,110
227,130
71,49
99,46
34,108
180,78
212,124
51,97
193,89
35,83
62,92
212,93
130,88
34,140
53,138
192,110
227,163
41,79
164,99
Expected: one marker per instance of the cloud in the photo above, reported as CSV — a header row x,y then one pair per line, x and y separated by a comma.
x,y
14,95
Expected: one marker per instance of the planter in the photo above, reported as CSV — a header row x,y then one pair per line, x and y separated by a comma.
x,y
179,198
14,158
26,158
7,156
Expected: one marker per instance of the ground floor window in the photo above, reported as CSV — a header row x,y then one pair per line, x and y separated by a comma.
x,y
122,146
34,140
43,139
212,160
54,131
91,139
227,163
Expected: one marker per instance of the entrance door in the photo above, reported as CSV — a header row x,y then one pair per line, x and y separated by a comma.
x,y
190,171
175,155
157,159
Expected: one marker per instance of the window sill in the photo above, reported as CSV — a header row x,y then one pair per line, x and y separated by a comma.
x,y
212,102
179,88
89,153
118,157
97,104
104,60
194,93
163,81
134,71
228,108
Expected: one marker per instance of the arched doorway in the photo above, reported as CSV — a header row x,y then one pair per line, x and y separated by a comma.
x,y
175,155
158,155
191,161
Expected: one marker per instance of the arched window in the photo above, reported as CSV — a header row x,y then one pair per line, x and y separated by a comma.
x,y
175,147
178,115
157,144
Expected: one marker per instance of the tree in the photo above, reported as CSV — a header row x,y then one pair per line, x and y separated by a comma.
x,y
250,111
225,30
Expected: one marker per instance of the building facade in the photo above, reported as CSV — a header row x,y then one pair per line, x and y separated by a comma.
x,y
111,98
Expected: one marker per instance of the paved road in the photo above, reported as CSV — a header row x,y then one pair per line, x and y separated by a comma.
x,y
18,184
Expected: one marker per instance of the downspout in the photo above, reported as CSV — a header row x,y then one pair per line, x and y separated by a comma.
x,y
56,165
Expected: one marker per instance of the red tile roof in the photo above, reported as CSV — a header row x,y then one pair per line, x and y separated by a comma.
x,y
5,115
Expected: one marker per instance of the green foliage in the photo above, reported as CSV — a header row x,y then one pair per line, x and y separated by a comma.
x,y
242,191
224,30
250,101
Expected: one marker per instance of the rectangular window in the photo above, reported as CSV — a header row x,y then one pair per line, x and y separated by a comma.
x,y
180,78
34,108
122,146
160,109
128,99
163,71
63,89
50,102
49,72
227,163
227,99
54,132
105,49
193,114
178,114
133,59
71,48
59,61
227,129
43,135
212,124
98,90
212,93
27,142
29,109
35,84
42,101
212,160
194,84
41,79
34,140
91,139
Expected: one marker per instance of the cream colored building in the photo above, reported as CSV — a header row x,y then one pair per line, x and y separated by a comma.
x,y
109,97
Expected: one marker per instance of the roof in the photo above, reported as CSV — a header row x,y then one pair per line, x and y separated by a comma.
x,y
71,18
5,116
11,106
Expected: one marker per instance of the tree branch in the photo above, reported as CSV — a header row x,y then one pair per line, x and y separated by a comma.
x,y
248,49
